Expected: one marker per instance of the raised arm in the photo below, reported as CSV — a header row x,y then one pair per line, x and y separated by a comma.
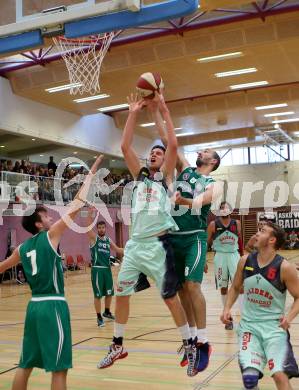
x,y
172,144
119,251
57,229
91,233
11,261
233,292
290,278
129,153
181,163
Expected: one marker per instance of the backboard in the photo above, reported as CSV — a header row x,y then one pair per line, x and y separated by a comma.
x,y
25,23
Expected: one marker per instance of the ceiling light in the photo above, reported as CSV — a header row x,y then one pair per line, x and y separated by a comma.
x,y
178,128
279,114
95,156
32,139
89,98
113,160
41,155
236,72
148,124
286,120
221,57
2,146
271,106
63,87
249,85
75,152
184,134
112,108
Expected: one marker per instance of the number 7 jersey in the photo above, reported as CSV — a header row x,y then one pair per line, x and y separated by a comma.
x,y
42,265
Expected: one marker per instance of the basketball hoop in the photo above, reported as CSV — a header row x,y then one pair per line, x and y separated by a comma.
x,y
83,58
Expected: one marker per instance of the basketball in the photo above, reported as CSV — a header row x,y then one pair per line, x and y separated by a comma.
x,y
148,83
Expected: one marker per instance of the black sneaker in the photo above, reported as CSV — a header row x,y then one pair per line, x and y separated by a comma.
x,y
142,283
109,315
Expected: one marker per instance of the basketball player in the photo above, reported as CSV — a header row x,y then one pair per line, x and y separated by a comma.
x,y
47,334
264,338
101,275
196,191
149,250
224,233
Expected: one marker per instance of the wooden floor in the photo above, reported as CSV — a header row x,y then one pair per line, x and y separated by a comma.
x,y
152,341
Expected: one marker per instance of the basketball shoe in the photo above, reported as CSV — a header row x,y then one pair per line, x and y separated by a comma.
x,y
115,352
203,352
108,315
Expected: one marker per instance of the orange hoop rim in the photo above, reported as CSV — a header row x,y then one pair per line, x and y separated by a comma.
x,y
92,40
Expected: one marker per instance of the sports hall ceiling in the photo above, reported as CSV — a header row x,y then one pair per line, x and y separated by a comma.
x,y
266,32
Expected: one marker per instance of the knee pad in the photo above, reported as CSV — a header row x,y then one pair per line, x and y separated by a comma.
x,y
250,378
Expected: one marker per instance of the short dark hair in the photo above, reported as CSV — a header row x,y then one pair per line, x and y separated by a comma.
x,y
216,157
28,221
224,202
159,147
278,233
101,223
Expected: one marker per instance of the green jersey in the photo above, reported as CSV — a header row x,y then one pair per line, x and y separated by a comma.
x,y
151,208
42,265
265,294
225,238
191,184
100,252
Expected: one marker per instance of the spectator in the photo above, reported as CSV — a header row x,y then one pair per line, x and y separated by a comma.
x,y
52,165
16,167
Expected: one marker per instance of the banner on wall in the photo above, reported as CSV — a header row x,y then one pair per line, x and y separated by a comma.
x,y
266,215
288,220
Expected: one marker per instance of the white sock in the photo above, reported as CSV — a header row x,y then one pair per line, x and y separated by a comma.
x,y
119,330
185,332
202,336
193,331
241,303
223,299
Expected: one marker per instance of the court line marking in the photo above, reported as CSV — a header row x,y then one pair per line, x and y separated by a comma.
x,y
208,379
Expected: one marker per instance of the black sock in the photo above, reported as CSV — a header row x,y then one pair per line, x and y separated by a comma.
x,y
99,315
118,340
107,311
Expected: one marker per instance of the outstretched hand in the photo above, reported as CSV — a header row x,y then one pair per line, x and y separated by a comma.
x,y
135,104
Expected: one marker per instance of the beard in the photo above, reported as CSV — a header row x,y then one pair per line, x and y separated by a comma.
x,y
199,162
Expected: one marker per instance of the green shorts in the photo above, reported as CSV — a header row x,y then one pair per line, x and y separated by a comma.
x,y
225,267
152,256
102,281
190,252
265,343
47,341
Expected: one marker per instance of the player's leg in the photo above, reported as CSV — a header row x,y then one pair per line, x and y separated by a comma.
x,y
179,252
21,378
56,351
59,380
161,267
282,381
109,292
281,360
127,278
97,284
194,270
252,359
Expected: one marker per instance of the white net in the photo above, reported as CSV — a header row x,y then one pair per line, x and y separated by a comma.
x,y
83,58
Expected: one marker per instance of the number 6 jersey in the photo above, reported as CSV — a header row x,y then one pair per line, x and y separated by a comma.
x,y
42,265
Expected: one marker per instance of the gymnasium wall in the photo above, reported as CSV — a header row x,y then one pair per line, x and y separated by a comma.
x,y
91,132
72,243
277,184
